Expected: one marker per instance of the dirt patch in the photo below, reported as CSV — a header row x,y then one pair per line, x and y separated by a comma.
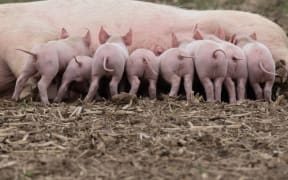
x,y
144,139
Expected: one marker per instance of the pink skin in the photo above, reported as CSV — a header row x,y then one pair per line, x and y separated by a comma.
x,y
211,65
48,60
40,21
261,66
173,67
78,70
109,60
237,66
142,63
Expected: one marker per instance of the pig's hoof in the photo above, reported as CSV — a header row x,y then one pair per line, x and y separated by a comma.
x,y
46,104
173,98
87,100
239,102
232,101
123,98
15,98
210,101
99,99
56,100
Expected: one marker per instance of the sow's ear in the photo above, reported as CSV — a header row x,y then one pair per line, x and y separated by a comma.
x,y
220,33
198,36
103,35
87,38
254,36
64,34
175,42
128,38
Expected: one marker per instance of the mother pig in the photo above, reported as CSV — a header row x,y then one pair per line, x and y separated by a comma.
x,y
25,24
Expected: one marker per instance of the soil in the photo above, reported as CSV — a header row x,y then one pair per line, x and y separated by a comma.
x,y
130,138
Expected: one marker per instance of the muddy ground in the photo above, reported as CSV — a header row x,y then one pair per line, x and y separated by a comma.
x,y
149,139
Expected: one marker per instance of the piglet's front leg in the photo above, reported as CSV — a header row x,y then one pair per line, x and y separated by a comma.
x,y
62,91
43,85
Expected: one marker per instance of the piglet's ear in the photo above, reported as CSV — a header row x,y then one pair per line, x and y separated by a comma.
x,y
232,38
103,35
198,36
87,38
220,33
158,50
128,38
175,42
254,36
64,34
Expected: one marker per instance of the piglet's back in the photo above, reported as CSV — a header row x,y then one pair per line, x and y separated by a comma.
x,y
110,50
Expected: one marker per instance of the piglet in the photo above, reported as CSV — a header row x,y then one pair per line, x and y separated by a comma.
x,y
261,66
176,64
237,66
211,65
109,60
78,70
49,59
142,63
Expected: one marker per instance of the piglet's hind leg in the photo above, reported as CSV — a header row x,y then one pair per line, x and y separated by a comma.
x,y
230,87
152,88
175,84
135,83
241,89
188,86
218,88
257,90
268,90
208,86
114,85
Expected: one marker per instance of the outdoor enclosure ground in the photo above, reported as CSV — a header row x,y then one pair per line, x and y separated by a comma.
x,y
144,139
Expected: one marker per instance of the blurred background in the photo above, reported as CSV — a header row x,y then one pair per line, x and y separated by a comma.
x,y
276,10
